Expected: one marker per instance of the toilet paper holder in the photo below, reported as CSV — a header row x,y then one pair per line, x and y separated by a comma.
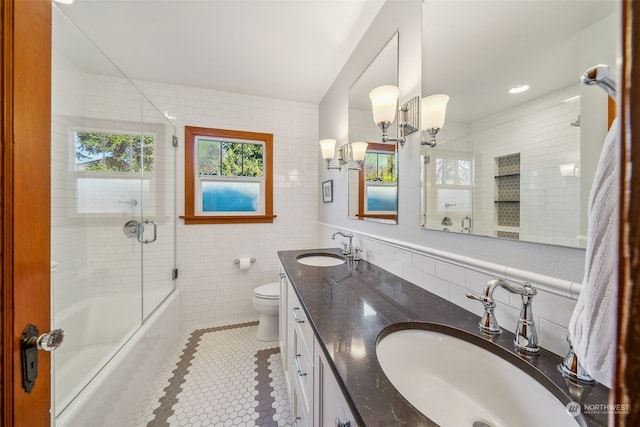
x,y
237,260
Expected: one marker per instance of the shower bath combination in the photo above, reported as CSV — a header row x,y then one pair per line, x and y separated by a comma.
x,y
107,288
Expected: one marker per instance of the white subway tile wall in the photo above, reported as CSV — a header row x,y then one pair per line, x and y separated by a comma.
x,y
539,132
214,290
552,307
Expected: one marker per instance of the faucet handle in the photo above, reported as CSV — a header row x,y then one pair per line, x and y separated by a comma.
x,y
488,323
482,298
356,255
344,249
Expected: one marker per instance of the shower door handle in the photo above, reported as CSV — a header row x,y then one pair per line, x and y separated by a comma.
x,y
135,229
141,234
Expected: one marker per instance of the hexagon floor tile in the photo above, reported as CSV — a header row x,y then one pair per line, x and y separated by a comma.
x,y
217,377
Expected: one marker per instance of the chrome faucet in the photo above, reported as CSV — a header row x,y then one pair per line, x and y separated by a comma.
x,y
526,339
346,250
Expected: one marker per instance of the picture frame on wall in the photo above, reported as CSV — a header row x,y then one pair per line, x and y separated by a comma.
x,y
327,191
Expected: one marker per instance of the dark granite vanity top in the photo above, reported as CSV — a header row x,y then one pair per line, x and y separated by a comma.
x,y
350,304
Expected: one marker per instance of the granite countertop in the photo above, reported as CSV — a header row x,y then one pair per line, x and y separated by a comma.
x,y
350,304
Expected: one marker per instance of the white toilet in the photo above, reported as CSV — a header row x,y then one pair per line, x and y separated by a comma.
x,y
266,301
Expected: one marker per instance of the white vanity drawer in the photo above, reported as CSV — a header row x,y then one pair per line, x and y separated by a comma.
x,y
299,318
301,366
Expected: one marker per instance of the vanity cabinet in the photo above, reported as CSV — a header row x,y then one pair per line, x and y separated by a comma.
x,y
314,395
331,408
284,332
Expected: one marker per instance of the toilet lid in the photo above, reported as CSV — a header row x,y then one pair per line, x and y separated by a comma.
x,y
268,291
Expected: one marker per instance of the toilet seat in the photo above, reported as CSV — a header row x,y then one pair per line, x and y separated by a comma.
x,y
270,291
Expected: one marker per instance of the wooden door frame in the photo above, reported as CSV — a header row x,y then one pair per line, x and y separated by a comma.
x,y
626,390
25,218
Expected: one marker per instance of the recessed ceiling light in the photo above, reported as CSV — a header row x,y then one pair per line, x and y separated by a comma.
x,y
519,89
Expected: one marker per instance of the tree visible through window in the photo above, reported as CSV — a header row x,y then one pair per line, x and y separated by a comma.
x,y
228,176
113,152
378,187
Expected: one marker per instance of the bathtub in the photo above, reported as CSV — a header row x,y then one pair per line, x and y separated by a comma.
x,y
116,353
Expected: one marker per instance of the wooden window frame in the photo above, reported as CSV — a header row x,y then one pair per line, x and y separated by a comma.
x,y
190,216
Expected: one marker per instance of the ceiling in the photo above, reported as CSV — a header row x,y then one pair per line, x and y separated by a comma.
x,y
476,56
283,49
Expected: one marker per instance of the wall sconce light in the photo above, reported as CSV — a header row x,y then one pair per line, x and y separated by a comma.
x,y
328,148
354,151
358,151
384,102
434,108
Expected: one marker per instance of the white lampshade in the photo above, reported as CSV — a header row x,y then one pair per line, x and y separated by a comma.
x,y
384,102
434,108
328,147
358,150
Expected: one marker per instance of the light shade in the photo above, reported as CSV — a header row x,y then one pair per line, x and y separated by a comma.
x,y
384,102
358,150
434,108
328,147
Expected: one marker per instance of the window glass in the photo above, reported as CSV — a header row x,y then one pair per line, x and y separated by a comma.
x,y
453,171
380,167
223,158
113,152
381,198
230,196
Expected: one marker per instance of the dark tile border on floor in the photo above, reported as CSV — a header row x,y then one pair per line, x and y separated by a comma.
x,y
170,397
265,399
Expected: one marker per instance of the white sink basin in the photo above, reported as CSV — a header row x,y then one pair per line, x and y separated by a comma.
x,y
456,383
320,260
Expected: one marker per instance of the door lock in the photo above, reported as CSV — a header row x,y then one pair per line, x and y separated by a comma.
x,y
30,342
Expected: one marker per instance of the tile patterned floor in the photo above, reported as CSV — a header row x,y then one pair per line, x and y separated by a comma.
x,y
217,377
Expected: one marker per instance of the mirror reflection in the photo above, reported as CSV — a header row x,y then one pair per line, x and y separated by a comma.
x,y
516,156
373,187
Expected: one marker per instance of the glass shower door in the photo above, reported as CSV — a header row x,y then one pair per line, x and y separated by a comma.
x,y
113,172
158,209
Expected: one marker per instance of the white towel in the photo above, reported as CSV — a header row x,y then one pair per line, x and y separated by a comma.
x,y
593,324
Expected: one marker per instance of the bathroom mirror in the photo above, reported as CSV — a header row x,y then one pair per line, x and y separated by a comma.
x,y
515,165
373,188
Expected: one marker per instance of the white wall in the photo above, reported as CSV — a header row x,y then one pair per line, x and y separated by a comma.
x,y
444,263
214,290
93,254
554,261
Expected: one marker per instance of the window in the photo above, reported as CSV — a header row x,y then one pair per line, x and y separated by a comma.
x,y
228,176
379,183
113,152
108,168
453,179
